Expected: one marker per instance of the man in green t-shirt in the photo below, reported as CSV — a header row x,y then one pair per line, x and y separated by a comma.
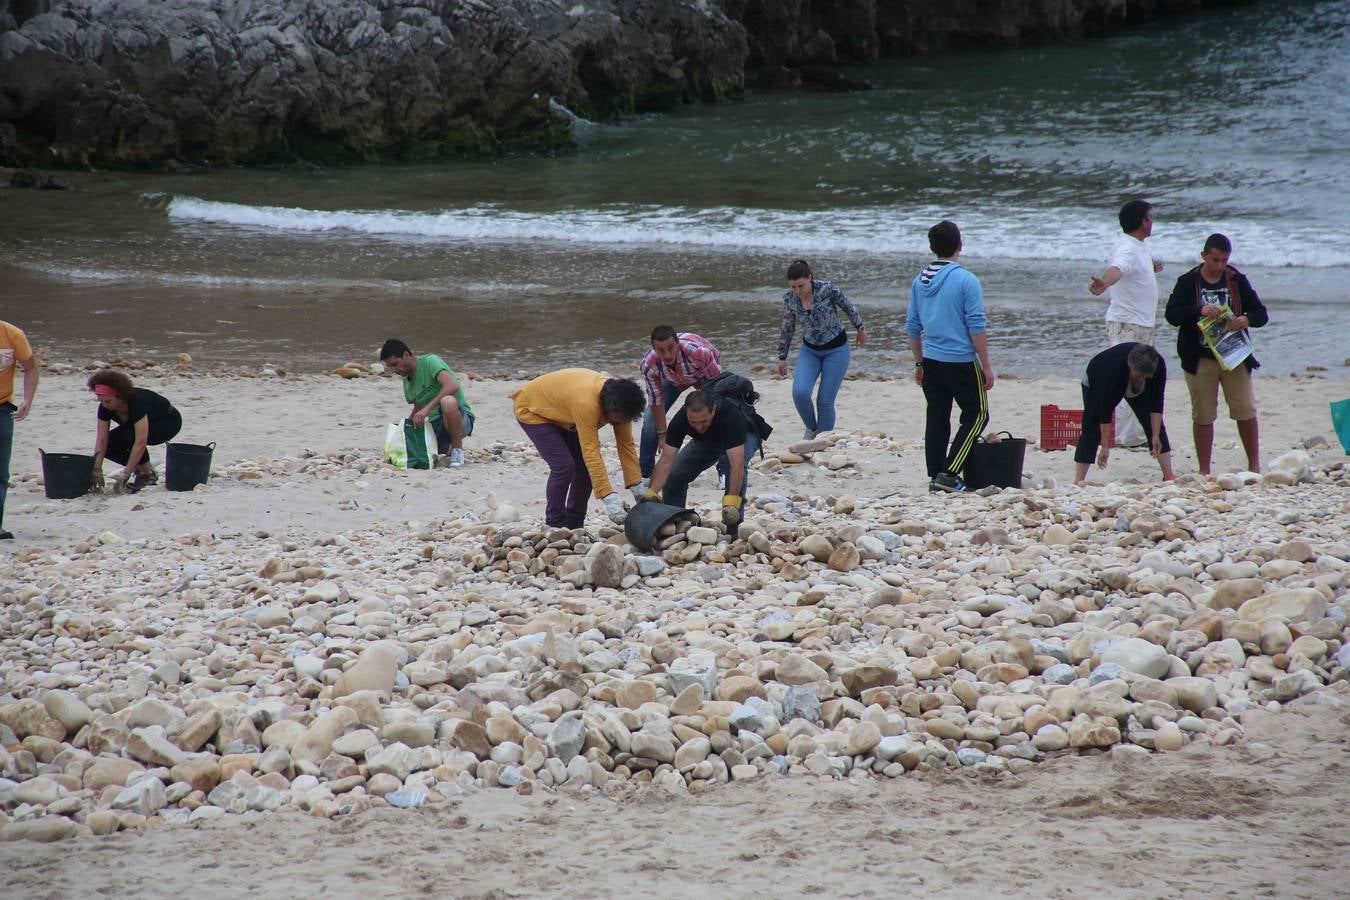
x,y
436,396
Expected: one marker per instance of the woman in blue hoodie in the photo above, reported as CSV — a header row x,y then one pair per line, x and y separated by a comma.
x,y
946,326
825,354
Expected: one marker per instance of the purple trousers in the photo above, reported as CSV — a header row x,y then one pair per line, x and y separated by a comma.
x,y
569,483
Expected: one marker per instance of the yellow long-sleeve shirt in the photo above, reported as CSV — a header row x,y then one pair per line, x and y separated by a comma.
x,y
570,398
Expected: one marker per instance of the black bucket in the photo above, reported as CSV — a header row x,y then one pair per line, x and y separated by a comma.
x,y
186,465
66,476
645,520
998,463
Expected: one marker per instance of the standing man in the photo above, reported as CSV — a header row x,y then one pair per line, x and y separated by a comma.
x,y
719,435
1133,373
1207,291
946,327
1132,313
562,413
436,395
14,350
675,362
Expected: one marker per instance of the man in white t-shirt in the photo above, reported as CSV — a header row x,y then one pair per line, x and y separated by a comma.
x,y
1131,285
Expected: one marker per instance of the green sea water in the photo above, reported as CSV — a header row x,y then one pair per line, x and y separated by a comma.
x,y
1234,120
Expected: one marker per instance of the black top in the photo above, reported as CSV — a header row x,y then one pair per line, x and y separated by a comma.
x,y
1108,377
727,429
143,403
1191,292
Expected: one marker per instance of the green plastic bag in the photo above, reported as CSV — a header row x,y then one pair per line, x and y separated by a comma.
x,y
1340,420
410,447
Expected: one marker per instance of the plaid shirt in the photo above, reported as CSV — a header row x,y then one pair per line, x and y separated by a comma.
x,y
697,364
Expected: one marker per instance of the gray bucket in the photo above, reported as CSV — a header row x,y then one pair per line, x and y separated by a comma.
x,y
645,520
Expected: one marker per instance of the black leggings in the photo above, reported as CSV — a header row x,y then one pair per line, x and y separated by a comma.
x,y
944,382
1091,438
122,437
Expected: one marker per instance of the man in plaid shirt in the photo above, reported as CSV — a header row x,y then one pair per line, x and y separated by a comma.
x,y
676,362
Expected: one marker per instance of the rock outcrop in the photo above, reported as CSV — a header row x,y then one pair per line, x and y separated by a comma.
x,y
133,82
138,83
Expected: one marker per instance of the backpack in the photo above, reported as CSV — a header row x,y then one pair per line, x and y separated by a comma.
x,y
740,393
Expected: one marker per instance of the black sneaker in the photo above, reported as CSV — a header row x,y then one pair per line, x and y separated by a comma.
x,y
5,535
952,484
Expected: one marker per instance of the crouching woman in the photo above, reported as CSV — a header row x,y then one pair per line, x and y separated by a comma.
x,y
130,420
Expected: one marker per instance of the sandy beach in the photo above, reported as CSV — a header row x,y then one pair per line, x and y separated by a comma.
x,y
202,637
275,423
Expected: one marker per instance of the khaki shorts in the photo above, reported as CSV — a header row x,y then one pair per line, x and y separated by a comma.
x,y
1127,332
1204,388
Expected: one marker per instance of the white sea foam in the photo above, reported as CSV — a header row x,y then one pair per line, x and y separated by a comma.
x,y
334,285
996,232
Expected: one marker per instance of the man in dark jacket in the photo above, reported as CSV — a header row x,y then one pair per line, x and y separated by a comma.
x,y
1207,291
1132,372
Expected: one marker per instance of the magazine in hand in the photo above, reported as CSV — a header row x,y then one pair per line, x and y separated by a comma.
x,y
1230,348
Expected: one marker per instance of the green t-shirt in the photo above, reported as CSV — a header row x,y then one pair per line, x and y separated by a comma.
x,y
421,387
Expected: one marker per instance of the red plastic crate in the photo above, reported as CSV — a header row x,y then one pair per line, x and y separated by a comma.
x,y
1060,427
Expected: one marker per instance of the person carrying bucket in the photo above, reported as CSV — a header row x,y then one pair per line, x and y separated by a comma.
x,y
143,419
562,413
719,435
15,352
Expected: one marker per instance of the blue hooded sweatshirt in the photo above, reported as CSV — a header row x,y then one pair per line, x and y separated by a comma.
x,y
946,306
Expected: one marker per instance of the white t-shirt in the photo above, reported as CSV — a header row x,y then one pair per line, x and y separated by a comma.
x,y
1134,298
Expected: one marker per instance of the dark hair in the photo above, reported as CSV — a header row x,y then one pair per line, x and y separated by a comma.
x,y
118,381
662,333
1218,241
697,401
1143,359
944,239
799,268
394,349
622,396
1132,215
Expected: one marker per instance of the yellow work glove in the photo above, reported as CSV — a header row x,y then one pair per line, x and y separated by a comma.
x,y
731,510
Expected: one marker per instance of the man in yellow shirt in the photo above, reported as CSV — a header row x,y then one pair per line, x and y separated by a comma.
x,y
14,351
562,413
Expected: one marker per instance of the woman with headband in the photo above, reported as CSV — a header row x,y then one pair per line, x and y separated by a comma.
x,y
142,419
824,355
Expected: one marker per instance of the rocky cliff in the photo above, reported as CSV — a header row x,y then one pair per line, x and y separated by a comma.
x,y
138,82
134,82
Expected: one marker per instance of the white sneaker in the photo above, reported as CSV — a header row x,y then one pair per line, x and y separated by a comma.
x,y
456,458
808,435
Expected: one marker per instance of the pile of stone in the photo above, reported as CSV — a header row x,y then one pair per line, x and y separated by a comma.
x,y
820,451
149,682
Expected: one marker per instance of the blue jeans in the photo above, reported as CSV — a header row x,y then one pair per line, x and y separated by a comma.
x,y
6,446
696,458
827,366
648,444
